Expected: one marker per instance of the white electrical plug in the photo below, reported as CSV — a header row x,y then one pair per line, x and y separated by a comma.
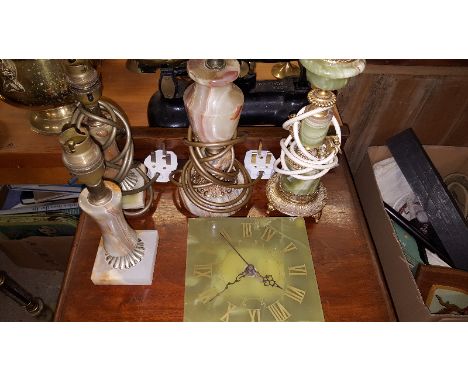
x,y
259,160
161,161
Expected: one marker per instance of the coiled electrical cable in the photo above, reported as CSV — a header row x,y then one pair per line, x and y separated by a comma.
x,y
200,163
123,161
310,162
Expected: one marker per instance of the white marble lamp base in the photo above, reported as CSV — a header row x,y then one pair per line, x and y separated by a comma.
x,y
140,274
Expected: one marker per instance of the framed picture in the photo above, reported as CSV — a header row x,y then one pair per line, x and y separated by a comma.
x,y
444,290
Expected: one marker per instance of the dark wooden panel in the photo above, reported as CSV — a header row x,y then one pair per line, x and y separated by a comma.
x,y
457,133
360,105
377,106
423,62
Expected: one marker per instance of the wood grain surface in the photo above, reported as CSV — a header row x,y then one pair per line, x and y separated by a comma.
x,y
348,275
432,99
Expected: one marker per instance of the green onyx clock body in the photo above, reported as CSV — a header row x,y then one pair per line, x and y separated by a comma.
x,y
250,269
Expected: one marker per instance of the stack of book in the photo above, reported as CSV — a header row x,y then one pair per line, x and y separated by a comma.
x,y
37,223
38,210
29,198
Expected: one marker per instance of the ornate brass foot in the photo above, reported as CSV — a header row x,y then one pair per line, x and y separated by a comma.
x,y
295,205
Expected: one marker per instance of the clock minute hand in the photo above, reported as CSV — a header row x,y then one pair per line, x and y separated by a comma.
x,y
227,241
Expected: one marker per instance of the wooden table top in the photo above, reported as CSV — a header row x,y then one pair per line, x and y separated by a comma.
x,y
348,274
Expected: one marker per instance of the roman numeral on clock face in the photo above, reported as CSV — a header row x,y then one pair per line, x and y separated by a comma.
x,y
295,293
254,315
298,270
229,310
268,234
247,229
290,247
278,311
202,270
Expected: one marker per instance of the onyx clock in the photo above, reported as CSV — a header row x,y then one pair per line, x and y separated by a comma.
x,y
250,269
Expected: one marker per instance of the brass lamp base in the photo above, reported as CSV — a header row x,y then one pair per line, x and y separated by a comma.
x,y
284,70
213,200
295,205
51,121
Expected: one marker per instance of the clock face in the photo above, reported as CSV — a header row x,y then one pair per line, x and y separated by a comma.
x,y
250,269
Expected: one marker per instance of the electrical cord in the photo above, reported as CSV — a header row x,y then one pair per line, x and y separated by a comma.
x,y
123,162
199,162
310,163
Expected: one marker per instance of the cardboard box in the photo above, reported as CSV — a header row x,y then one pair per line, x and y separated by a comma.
x,y
39,252
405,294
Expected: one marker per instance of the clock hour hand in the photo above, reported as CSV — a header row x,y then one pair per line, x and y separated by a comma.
x,y
239,277
268,280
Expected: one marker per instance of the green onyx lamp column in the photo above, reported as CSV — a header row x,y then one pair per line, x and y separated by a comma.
x,y
312,133
309,153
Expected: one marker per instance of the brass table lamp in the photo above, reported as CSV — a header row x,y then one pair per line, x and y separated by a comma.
x,y
122,248
90,152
